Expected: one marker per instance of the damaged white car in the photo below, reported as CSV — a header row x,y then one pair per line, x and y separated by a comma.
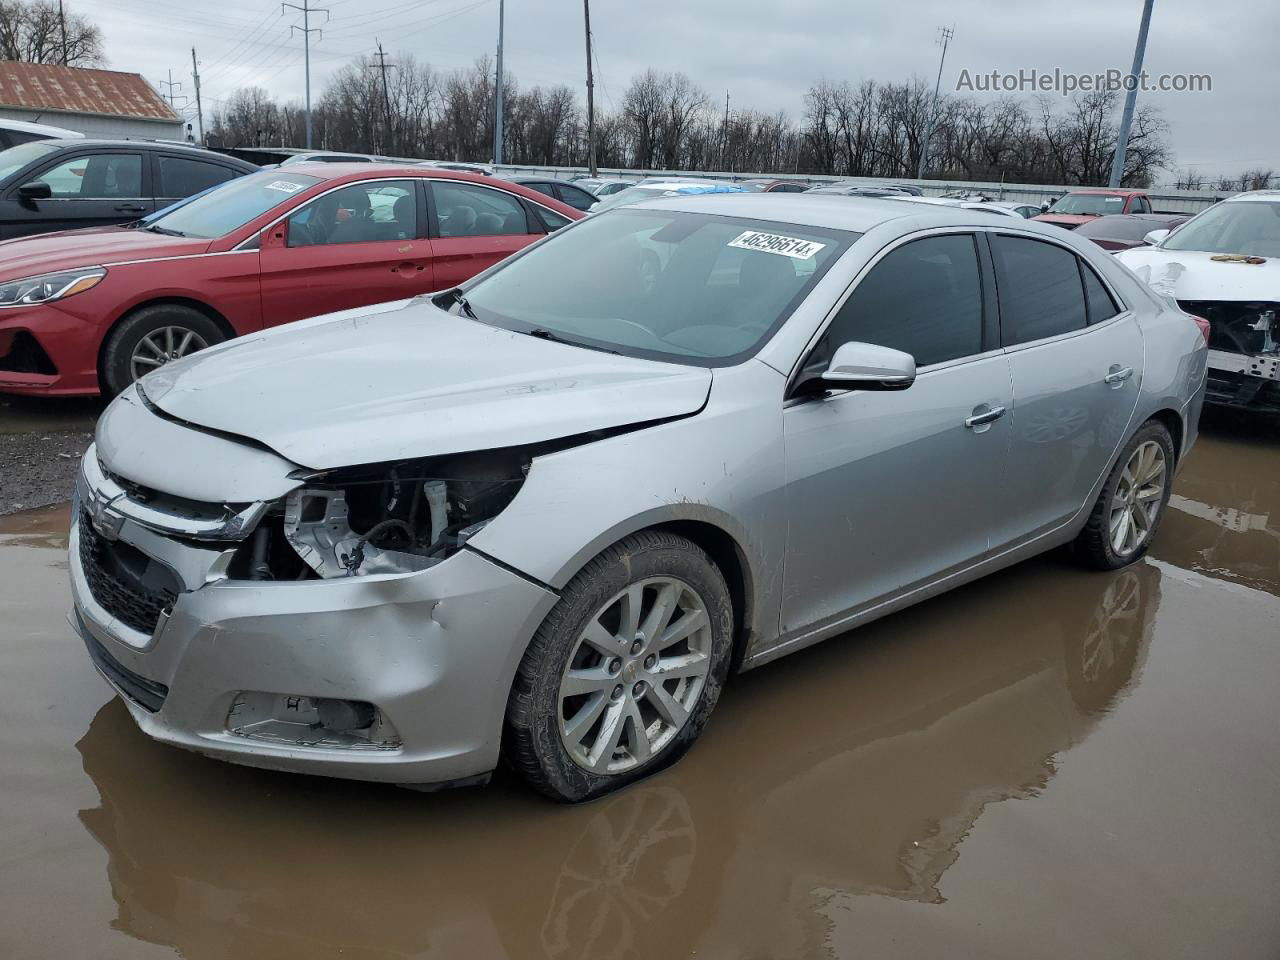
x,y
546,514
1224,266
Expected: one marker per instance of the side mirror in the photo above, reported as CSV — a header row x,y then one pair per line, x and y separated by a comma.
x,y
35,190
1155,236
865,366
1044,207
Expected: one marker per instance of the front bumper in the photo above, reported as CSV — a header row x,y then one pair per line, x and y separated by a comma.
x,y
1244,380
44,350
435,652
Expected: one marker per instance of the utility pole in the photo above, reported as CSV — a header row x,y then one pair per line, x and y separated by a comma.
x,y
195,77
497,97
386,96
171,83
591,102
724,132
306,30
1131,97
944,39
62,26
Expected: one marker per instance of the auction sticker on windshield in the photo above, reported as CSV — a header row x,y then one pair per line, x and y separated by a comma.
x,y
285,186
792,247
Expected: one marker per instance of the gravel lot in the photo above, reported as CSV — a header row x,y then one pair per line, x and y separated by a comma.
x,y
41,442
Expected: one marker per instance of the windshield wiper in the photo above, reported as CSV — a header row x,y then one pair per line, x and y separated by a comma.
x,y
156,228
544,334
456,296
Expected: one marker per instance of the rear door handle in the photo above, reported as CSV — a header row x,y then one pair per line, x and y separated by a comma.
x,y
1117,375
131,208
982,419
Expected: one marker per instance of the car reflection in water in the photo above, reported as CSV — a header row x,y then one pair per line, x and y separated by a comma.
x,y
858,767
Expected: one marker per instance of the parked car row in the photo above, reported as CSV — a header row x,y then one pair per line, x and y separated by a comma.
x,y
90,311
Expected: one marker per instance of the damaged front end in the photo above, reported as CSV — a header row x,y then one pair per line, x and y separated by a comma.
x,y
1244,352
393,518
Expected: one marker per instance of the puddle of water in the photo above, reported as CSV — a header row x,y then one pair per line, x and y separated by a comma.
x,y
1049,762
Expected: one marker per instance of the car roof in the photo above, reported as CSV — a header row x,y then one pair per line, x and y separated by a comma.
x,y
140,144
1109,191
52,132
834,211
1268,196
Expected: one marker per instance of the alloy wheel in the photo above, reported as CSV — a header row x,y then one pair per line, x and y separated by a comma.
x,y
1138,498
635,675
160,346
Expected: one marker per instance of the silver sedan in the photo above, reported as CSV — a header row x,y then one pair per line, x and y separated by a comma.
x,y
548,514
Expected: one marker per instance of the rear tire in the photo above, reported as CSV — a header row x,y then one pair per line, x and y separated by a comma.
x,y
1131,503
604,695
175,331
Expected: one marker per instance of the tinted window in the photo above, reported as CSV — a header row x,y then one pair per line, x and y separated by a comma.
x,y
1040,291
96,176
578,199
544,188
791,188
1098,299
1140,205
467,211
181,177
379,211
229,207
552,221
924,298
691,287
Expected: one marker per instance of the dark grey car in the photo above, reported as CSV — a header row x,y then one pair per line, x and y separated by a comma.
x,y
48,185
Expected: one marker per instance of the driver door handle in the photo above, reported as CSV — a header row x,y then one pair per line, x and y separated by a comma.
x,y
982,419
1117,375
131,208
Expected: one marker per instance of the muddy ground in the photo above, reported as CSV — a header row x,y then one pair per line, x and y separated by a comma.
x,y
41,441
1048,763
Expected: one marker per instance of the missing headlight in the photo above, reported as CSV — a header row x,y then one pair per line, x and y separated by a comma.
x,y
390,518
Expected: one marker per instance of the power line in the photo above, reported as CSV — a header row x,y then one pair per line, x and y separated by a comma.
x,y
306,30
944,40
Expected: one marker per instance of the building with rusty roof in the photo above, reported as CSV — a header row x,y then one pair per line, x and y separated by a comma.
x,y
98,103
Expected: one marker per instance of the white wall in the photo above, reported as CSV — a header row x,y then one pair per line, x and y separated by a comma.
x,y
100,127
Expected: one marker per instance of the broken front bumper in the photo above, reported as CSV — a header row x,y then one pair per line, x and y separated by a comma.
x,y
238,669
1244,380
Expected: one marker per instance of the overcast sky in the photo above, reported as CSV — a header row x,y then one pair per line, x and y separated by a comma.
x,y
765,52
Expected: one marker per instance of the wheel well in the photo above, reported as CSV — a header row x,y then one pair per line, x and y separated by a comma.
x,y
1173,423
223,324
729,558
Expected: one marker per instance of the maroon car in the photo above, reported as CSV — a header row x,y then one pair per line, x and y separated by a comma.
x,y
1126,232
1081,206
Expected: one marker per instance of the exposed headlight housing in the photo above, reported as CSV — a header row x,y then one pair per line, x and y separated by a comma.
x,y
50,287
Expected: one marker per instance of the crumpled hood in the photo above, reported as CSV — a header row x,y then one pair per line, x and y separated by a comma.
x,y
23,257
1193,275
413,382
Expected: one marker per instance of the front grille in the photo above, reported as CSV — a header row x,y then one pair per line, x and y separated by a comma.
x,y
127,584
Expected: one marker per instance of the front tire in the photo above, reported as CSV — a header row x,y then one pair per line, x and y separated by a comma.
x,y
1132,501
149,338
623,674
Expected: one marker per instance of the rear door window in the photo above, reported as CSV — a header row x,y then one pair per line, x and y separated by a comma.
x,y
574,197
1041,294
181,177
465,210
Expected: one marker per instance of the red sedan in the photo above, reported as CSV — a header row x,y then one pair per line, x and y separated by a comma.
x,y
89,311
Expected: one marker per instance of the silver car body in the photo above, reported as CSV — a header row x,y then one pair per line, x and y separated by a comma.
x,y
825,513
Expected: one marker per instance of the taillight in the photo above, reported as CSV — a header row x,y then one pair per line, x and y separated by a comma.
x,y
1203,324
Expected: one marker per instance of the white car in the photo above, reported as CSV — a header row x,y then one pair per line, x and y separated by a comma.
x,y
14,132
657,189
1224,265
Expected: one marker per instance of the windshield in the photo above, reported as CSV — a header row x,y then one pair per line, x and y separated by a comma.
x,y
15,158
1089,204
689,287
1250,227
231,205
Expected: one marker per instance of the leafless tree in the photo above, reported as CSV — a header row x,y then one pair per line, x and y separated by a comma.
x,y
30,32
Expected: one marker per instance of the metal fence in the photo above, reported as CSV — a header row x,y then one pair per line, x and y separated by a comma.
x,y
1162,200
